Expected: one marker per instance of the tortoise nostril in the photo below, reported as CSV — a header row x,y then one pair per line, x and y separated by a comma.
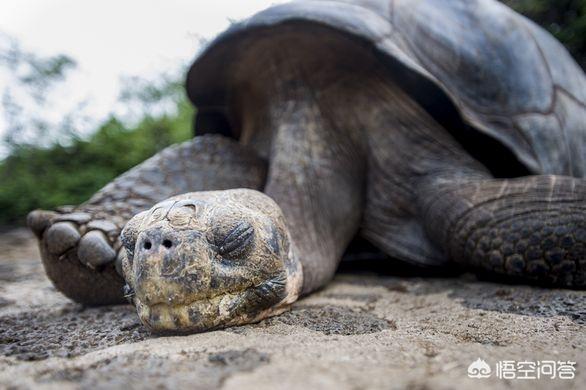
x,y
167,244
147,245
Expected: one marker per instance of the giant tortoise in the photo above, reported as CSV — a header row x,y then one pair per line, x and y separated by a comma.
x,y
446,133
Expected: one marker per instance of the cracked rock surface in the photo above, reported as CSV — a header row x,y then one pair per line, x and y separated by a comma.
x,y
362,331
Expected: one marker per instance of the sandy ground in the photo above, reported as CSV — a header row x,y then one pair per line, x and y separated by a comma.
x,y
362,331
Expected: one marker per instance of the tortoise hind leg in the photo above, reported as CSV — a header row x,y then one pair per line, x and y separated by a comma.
x,y
533,228
79,246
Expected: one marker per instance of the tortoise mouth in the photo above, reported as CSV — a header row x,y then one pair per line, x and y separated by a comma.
x,y
219,311
190,316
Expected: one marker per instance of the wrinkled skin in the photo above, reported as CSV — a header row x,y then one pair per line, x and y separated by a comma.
x,y
209,259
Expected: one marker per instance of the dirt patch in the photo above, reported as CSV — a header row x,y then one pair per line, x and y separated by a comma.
x,y
475,294
67,332
334,320
245,360
197,370
527,301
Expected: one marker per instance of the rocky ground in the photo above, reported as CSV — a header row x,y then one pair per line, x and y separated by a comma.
x,y
362,331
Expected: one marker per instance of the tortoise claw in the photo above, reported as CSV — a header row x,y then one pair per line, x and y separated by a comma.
x,y
39,220
78,254
61,237
94,250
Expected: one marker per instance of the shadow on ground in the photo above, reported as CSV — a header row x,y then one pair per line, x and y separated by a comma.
x,y
496,295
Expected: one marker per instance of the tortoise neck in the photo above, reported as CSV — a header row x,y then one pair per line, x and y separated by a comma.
x,y
316,175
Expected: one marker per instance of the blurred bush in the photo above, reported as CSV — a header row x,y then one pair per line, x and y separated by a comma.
x,y
34,177
51,163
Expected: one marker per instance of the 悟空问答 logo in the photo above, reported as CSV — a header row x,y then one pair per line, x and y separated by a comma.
x,y
479,369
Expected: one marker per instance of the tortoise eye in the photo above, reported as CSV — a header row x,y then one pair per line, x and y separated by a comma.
x,y
237,241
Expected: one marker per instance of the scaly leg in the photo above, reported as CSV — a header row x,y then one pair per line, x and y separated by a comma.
x,y
533,228
80,247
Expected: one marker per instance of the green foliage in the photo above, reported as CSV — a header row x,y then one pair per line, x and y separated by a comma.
x,y
49,164
565,19
34,177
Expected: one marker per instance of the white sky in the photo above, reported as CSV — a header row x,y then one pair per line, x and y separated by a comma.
x,y
114,38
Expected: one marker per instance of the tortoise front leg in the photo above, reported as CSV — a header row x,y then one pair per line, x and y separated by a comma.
x,y
533,228
80,246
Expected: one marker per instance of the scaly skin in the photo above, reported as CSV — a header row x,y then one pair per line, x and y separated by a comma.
x,y
80,248
532,228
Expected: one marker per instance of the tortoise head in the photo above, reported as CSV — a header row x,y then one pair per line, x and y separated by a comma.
x,y
209,260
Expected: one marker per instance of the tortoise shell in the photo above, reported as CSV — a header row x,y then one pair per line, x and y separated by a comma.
x,y
506,76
